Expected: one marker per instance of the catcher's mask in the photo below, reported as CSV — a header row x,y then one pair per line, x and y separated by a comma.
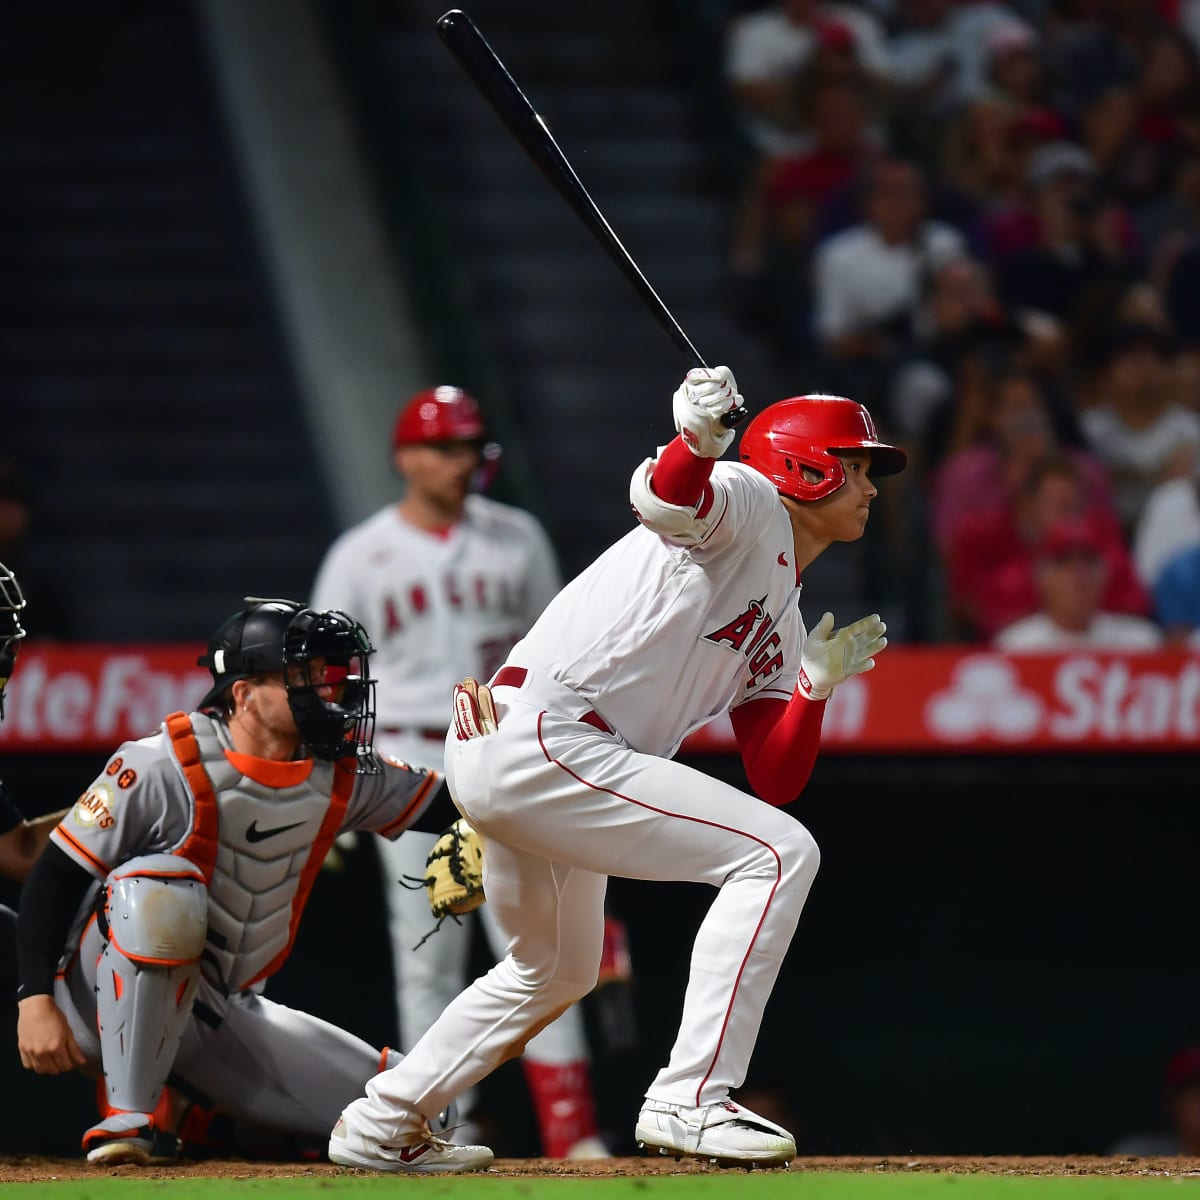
x,y
323,659
11,633
811,431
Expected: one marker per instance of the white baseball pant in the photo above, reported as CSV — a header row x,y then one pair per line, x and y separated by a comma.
x,y
562,805
428,979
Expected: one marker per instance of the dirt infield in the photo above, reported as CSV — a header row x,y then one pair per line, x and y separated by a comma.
x,y
19,1169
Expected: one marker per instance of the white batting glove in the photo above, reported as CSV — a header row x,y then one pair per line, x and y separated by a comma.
x,y
831,656
698,405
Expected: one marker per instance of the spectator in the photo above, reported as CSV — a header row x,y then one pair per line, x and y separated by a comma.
x,y
1177,597
939,54
1137,431
777,226
1018,436
1181,1100
869,278
1069,573
1069,241
1136,132
767,52
1169,525
990,556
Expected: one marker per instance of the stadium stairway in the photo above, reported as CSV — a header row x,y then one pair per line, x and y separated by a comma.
x,y
587,372
147,390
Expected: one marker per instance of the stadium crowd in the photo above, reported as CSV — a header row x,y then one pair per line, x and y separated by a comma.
x,y
983,220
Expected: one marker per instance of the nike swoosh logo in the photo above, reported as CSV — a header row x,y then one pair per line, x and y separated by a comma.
x,y
410,1154
254,834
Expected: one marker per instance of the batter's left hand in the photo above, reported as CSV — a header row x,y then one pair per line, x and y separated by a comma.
x,y
831,656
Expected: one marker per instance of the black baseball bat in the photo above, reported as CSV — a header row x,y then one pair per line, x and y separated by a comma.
x,y
491,77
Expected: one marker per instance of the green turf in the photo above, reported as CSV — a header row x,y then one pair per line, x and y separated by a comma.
x,y
731,1185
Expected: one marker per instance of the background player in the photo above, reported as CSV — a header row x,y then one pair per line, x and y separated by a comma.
x,y
174,887
692,614
449,580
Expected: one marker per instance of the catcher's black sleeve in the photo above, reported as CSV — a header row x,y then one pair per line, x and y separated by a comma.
x,y
10,815
439,812
49,901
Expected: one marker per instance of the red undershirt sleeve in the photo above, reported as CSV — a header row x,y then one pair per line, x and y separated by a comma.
x,y
680,477
778,741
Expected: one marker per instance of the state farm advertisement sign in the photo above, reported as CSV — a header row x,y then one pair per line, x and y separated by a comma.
x,y
952,699
65,697
946,699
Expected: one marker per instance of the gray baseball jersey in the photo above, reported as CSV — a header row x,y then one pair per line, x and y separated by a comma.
x,y
259,830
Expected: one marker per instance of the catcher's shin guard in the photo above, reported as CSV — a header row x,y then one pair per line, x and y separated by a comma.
x,y
156,910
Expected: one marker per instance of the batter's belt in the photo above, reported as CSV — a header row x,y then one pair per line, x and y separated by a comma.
x,y
429,732
546,693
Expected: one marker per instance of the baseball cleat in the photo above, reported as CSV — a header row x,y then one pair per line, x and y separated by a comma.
x,y
425,1153
129,1138
724,1133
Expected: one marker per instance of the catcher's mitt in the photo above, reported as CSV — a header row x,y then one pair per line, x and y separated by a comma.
x,y
454,872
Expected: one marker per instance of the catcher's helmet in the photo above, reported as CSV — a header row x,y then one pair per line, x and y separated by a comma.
x,y
440,414
810,431
11,603
285,636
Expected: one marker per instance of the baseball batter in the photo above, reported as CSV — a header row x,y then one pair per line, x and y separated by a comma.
x,y
172,891
693,613
447,581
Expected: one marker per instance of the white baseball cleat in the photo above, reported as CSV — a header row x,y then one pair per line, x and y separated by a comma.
x,y
722,1133
425,1153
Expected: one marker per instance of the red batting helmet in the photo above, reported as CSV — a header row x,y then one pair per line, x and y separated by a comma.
x,y
810,431
440,414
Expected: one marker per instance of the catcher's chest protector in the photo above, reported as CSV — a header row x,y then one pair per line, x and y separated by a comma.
x,y
269,844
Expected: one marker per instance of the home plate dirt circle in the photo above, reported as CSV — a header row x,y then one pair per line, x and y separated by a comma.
x,y
29,1169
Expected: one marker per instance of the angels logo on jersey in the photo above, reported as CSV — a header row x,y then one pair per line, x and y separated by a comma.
x,y
747,633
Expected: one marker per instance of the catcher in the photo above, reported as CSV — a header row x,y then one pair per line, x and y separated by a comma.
x,y
172,891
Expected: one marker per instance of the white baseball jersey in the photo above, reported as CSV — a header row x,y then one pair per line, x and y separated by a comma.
x,y
438,606
661,638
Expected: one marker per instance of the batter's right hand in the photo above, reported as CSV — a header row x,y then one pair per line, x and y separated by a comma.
x,y
474,710
831,656
44,1038
699,403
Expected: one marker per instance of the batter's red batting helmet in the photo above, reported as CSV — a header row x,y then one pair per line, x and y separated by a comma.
x,y
810,431
440,414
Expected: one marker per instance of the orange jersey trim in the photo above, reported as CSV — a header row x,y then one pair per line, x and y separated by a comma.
x,y
343,785
269,772
200,845
80,848
413,805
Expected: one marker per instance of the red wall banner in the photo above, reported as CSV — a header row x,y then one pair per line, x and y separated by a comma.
x,y
943,699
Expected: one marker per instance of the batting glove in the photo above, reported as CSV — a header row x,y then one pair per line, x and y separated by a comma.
x,y
699,403
831,656
474,710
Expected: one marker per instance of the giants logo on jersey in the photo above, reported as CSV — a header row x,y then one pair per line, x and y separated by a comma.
x,y
748,633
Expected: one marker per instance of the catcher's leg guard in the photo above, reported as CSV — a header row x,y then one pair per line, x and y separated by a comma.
x,y
156,913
